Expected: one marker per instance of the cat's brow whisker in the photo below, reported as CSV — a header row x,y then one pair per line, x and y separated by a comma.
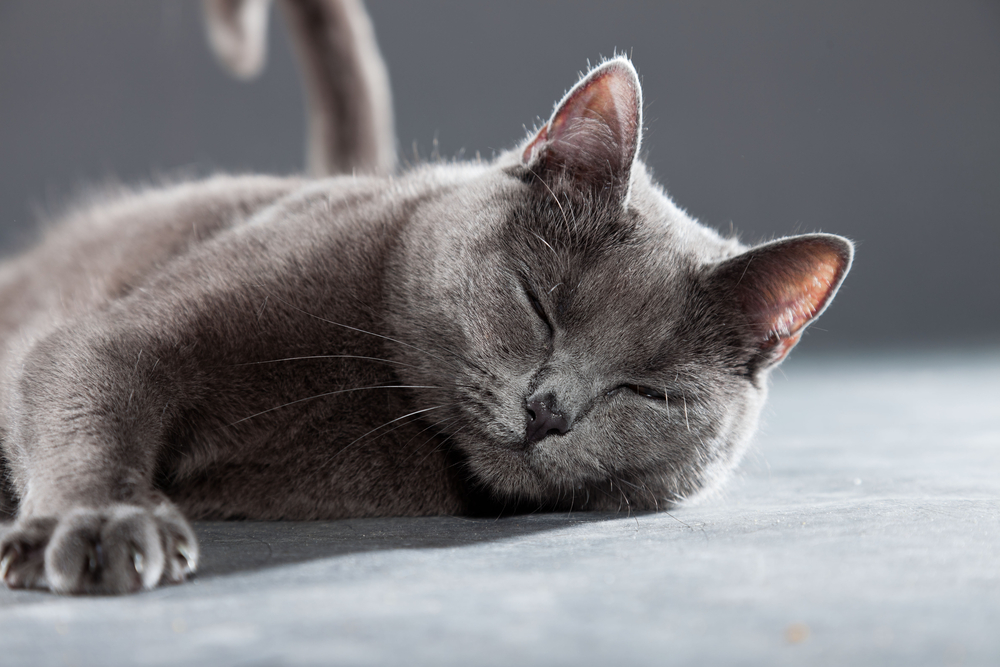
x,y
332,393
325,356
546,243
554,198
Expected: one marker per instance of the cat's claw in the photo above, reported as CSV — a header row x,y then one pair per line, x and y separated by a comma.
x,y
189,560
138,562
8,558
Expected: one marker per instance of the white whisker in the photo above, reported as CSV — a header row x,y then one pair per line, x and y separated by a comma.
x,y
446,439
370,333
417,412
331,393
439,423
555,199
546,243
326,356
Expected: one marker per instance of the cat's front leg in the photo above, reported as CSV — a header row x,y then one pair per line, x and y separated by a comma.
x,y
85,435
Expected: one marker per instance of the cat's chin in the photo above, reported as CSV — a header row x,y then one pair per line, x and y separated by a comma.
x,y
559,473
540,473
505,471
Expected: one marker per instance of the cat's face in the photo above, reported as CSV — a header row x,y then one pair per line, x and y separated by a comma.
x,y
593,346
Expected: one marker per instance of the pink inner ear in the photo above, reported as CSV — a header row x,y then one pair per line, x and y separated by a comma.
x,y
792,304
785,286
601,115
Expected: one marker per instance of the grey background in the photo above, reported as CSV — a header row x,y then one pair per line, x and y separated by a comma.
x,y
879,121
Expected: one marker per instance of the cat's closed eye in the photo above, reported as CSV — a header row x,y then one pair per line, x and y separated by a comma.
x,y
639,390
537,306
647,392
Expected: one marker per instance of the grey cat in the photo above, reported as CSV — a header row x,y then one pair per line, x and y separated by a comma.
x,y
543,331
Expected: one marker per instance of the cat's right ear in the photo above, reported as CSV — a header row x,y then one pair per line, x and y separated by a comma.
x,y
593,137
783,286
237,31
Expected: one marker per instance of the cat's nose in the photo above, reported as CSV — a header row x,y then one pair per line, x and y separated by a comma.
x,y
544,419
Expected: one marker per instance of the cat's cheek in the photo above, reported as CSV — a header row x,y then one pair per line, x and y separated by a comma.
x,y
723,444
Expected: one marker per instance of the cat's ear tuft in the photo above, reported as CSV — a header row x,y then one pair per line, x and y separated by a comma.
x,y
593,136
783,286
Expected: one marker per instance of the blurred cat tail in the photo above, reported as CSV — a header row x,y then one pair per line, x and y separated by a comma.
x,y
348,99
237,32
593,137
783,286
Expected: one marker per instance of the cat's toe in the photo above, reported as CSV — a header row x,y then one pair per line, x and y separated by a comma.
x,y
22,553
179,544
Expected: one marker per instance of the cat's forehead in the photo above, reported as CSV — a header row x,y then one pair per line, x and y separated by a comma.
x,y
590,235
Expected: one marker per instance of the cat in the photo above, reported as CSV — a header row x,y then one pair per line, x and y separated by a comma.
x,y
543,331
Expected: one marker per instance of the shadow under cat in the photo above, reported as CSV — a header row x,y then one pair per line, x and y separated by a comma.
x,y
230,547
233,547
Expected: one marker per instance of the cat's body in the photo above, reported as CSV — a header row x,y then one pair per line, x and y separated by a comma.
x,y
546,330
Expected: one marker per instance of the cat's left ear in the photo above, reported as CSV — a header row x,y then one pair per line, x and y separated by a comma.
x,y
593,137
783,286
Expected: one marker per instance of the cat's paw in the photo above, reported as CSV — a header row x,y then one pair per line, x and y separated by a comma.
x,y
113,550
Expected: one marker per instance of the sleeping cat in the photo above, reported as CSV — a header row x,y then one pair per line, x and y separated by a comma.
x,y
543,331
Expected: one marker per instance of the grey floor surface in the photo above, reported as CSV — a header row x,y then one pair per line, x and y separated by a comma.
x,y
863,528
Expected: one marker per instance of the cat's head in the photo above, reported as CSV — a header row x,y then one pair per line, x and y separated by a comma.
x,y
594,346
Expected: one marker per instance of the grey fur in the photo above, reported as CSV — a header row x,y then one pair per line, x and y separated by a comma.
x,y
544,331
